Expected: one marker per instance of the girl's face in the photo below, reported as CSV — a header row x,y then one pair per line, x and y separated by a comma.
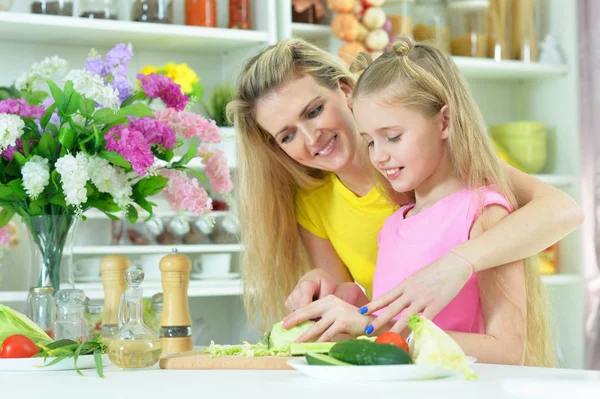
x,y
404,145
311,123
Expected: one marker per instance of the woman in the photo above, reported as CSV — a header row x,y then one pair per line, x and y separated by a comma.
x,y
309,201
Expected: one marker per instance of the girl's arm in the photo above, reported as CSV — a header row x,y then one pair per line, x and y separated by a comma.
x,y
504,307
328,273
547,216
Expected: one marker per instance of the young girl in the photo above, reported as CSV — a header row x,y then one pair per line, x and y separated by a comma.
x,y
427,139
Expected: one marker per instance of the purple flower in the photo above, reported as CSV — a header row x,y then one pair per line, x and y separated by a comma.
x,y
124,87
96,66
114,68
118,57
22,108
132,145
163,87
155,131
9,153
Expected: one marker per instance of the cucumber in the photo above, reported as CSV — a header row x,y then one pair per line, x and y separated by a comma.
x,y
319,359
311,347
366,353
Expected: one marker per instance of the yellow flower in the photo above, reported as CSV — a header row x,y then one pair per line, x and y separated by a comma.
x,y
181,74
148,69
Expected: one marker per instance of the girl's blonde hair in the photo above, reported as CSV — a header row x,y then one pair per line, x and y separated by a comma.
x,y
423,78
267,178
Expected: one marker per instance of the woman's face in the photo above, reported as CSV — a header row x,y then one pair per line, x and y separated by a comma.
x,y
311,123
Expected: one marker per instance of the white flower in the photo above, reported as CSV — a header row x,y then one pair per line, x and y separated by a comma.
x,y
92,87
111,180
11,128
40,71
36,176
74,175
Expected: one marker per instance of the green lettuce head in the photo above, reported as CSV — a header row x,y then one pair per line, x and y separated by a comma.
x,y
281,339
13,323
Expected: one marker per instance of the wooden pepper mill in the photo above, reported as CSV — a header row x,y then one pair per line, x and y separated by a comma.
x,y
175,322
112,268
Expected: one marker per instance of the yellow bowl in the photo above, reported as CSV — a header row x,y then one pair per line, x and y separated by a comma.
x,y
525,142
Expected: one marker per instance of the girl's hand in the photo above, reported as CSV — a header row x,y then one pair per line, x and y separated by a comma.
x,y
336,317
427,291
315,284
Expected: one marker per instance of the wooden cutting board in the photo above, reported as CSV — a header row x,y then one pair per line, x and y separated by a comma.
x,y
198,360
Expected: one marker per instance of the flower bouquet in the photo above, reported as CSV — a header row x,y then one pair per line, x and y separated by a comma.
x,y
90,141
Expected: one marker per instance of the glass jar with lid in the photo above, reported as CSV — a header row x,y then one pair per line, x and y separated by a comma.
x,y
499,29
98,9
469,27
53,7
526,29
239,14
158,11
41,308
94,312
201,13
401,16
71,322
431,23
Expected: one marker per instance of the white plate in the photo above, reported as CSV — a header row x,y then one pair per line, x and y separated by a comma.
x,y
373,373
36,363
200,276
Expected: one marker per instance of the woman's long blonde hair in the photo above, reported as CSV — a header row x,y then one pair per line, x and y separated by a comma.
x,y
422,77
267,178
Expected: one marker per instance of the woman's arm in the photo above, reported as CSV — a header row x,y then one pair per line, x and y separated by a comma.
x,y
504,307
548,215
328,273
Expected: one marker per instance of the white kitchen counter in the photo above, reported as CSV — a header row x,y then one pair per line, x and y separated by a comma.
x,y
495,382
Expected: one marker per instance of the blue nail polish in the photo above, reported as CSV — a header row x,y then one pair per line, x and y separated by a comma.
x,y
363,310
369,329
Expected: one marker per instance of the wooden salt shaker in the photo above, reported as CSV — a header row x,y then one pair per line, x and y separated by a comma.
x,y
175,322
113,269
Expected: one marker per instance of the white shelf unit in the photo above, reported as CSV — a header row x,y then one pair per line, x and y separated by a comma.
x,y
155,249
510,91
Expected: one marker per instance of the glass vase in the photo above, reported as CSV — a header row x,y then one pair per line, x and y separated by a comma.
x,y
51,240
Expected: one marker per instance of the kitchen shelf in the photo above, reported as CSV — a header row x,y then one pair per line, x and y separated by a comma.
x,y
197,288
311,31
160,211
557,180
50,29
155,249
487,68
552,280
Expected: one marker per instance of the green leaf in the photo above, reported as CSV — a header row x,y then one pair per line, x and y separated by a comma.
x,y
189,155
97,136
66,137
105,116
98,361
53,129
46,118
48,147
6,216
115,159
72,99
57,94
150,186
137,95
132,214
197,91
145,205
58,199
105,205
139,110
87,107
198,174
18,190
19,158
75,356
36,97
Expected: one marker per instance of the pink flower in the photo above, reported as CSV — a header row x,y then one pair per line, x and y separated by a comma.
x,y
190,125
155,131
163,87
216,168
22,108
132,145
184,193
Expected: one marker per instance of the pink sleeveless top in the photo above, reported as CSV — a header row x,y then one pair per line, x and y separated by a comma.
x,y
409,244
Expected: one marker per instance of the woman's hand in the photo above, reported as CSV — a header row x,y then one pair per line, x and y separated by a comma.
x,y
336,317
427,291
315,284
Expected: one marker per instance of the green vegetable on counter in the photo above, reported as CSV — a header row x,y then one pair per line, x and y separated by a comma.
x,y
66,348
15,323
431,345
362,352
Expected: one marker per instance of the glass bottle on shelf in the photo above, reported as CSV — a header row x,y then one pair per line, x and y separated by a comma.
x,y
41,309
134,345
70,320
159,11
526,29
431,23
201,13
54,7
5,5
469,27
98,9
239,14
499,30
401,16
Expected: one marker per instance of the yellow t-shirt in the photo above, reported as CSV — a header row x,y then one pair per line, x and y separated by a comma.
x,y
350,223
